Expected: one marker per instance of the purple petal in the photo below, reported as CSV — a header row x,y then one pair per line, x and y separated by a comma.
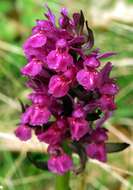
x,y
99,135
77,40
70,73
97,151
40,116
92,62
57,86
36,115
61,45
37,40
52,136
62,124
107,103
40,98
33,68
64,11
106,55
50,15
38,53
78,127
26,115
60,164
23,132
109,88
87,79
59,61
78,112
76,18
64,19
105,72
43,25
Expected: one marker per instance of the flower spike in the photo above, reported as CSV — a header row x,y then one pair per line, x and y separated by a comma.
x,y
72,93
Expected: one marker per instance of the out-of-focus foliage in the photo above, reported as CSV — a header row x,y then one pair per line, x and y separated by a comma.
x,y
113,29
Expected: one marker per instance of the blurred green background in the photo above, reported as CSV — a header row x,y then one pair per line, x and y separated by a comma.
x,y
112,22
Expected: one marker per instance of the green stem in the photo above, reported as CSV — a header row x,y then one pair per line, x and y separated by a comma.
x,y
62,182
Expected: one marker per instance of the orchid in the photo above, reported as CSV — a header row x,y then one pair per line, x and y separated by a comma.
x,y
72,92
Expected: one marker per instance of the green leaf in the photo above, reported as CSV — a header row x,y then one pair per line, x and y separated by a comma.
x,y
22,105
115,147
38,160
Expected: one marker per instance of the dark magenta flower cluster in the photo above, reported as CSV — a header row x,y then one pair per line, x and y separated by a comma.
x,y
72,93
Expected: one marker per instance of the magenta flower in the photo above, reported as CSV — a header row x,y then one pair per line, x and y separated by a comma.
x,y
78,111
36,115
40,98
107,103
87,79
78,128
99,135
33,68
58,86
54,134
97,151
23,132
109,88
72,93
37,40
70,73
59,59
60,164
92,62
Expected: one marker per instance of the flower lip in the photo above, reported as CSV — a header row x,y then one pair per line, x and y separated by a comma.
x,y
58,87
60,164
61,45
37,40
92,62
87,78
32,69
79,127
36,115
97,151
23,132
109,88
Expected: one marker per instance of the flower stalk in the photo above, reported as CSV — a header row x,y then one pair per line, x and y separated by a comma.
x,y
62,182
